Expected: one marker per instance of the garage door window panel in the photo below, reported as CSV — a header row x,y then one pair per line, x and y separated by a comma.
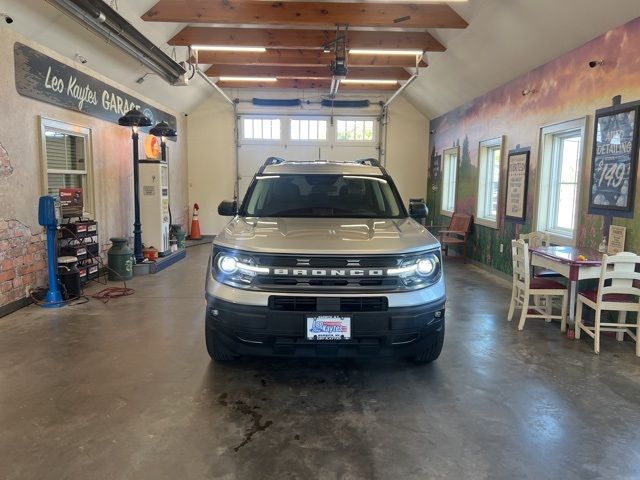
x,y
356,130
308,130
261,129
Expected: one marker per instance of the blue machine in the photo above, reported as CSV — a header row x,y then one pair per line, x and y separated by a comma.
x,y
49,216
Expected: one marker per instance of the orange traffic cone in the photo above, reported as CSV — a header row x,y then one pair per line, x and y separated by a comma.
x,y
195,224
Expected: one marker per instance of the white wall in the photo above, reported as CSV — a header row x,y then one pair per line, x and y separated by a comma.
x,y
211,160
407,149
212,164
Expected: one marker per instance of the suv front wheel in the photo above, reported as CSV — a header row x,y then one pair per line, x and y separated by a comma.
x,y
432,352
216,349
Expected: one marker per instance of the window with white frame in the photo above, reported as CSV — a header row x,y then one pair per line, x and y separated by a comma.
x,y
355,130
449,180
307,129
561,156
66,153
489,161
261,129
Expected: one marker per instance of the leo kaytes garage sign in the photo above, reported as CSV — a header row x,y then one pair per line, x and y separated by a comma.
x,y
43,78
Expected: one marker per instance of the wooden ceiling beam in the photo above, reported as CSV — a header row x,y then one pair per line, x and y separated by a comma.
x,y
355,14
318,72
311,39
288,83
308,58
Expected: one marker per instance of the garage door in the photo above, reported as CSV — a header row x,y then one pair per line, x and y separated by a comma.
x,y
302,138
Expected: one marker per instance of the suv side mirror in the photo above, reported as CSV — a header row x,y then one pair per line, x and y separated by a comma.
x,y
418,209
228,208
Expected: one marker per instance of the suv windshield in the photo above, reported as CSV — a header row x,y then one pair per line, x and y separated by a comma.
x,y
349,196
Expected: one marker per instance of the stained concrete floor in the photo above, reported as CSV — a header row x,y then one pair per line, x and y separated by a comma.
x,y
127,391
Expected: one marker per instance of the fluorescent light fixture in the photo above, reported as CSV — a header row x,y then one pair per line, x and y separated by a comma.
x,y
228,48
248,79
372,81
373,51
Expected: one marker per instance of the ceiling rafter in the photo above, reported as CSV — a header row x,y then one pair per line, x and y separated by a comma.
x,y
305,39
303,58
355,14
318,72
288,83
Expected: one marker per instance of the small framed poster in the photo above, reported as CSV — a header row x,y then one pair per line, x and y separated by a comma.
x,y
614,161
517,185
617,236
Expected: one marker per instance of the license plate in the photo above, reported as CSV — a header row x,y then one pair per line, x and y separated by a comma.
x,y
327,327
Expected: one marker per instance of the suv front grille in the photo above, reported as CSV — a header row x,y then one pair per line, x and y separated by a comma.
x,y
305,265
310,304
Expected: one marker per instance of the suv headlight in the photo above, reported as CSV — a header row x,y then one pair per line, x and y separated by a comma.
x,y
419,271
234,268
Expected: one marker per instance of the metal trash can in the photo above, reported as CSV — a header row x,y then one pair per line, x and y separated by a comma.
x,y
69,277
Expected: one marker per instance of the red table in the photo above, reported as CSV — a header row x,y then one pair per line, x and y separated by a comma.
x,y
564,260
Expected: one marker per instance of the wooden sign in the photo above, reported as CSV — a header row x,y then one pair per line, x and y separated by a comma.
x,y
517,185
43,78
617,236
614,162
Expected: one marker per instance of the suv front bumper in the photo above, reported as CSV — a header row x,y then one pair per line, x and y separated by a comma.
x,y
258,330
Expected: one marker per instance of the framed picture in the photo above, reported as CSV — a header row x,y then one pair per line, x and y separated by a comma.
x,y
515,203
615,160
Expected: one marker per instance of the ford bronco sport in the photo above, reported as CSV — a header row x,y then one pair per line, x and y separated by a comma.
x,y
322,259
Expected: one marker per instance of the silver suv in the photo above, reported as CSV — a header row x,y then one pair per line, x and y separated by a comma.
x,y
322,259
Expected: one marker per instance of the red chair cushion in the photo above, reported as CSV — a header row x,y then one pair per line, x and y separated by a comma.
x,y
539,282
609,297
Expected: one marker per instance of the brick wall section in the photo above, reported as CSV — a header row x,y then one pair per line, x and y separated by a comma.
x,y
23,260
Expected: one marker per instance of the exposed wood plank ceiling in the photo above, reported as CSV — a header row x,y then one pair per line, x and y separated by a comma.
x,y
355,14
298,39
307,39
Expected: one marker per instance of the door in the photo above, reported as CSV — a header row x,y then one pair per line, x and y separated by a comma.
x,y
302,138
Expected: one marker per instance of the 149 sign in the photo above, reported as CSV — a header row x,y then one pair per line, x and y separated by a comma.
x,y
614,159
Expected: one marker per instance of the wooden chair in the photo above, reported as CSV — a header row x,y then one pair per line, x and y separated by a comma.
x,y
457,234
536,239
525,287
618,292
539,239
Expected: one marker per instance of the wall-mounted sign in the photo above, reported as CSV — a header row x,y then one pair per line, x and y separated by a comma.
x,y
617,235
614,162
43,78
517,185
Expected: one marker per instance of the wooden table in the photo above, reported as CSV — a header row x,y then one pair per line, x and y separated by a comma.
x,y
564,260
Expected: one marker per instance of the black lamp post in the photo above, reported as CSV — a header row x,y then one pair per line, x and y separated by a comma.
x,y
135,119
164,131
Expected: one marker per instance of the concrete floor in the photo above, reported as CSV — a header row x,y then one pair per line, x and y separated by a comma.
x,y
127,391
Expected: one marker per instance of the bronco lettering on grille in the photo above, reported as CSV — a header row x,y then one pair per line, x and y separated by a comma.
x,y
324,272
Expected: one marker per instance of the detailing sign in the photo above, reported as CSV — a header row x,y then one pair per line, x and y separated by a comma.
x,y
43,78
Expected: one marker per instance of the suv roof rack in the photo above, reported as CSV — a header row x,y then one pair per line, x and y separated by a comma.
x,y
273,161
368,161
373,162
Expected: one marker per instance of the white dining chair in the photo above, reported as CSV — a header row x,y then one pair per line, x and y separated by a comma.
x,y
617,292
536,239
524,287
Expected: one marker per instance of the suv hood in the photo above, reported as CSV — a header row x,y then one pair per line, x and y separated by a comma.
x,y
322,236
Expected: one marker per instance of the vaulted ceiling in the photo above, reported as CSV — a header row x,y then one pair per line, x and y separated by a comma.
x,y
503,39
293,44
